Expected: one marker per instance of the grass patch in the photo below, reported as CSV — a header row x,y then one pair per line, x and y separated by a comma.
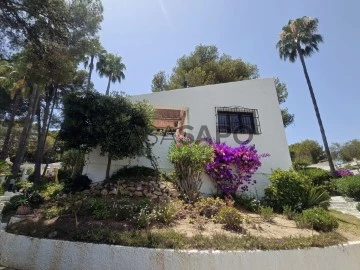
x,y
348,224
170,239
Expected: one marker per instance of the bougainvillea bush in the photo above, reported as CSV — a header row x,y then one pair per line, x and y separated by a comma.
x,y
344,172
233,167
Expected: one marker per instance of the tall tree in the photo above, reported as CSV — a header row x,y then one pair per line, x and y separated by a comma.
x,y
282,93
307,151
111,66
95,50
300,38
206,66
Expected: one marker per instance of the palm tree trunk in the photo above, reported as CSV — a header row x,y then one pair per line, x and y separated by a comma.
x,y
23,140
108,87
6,145
317,112
107,176
91,68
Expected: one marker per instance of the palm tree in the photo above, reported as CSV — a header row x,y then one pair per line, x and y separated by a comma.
x,y
110,65
300,38
95,51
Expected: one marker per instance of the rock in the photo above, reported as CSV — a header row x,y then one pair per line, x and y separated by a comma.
x,y
52,234
139,188
166,190
157,193
104,192
113,192
86,192
162,186
138,194
132,189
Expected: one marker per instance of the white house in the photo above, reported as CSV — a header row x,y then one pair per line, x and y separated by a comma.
x,y
221,110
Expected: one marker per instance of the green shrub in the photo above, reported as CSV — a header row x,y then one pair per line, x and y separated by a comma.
x,y
318,219
14,203
77,184
349,186
209,206
123,209
50,190
133,172
167,212
289,213
53,211
317,176
230,217
189,160
22,185
248,202
98,208
144,217
287,188
266,213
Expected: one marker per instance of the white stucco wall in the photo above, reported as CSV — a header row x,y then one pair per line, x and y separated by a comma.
x,y
200,103
27,253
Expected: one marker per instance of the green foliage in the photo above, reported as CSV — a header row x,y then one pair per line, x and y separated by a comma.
x,y
53,210
134,171
347,151
167,212
73,162
317,176
349,186
230,217
248,202
117,126
308,151
317,196
22,185
76,184
209,207
318,219
98,208
287,188
189,161
288,212
4,167
111,66
266,213
50,190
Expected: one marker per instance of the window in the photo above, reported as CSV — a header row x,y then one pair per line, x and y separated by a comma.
x,y
237,120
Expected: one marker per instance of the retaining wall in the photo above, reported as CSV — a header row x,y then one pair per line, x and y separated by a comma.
x,y
28,253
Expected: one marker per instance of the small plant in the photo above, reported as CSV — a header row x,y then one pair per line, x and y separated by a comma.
x,y
50,190
267,213
53,211
98,208
288,212
189,159
250,203
144,217
318,219
123,209
166,212
317,197
287,188
230,217
22,185
209,206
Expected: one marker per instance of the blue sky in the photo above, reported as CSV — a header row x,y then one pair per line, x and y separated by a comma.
x,y
151,34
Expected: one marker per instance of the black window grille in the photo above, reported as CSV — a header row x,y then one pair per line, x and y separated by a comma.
x,y
237,120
